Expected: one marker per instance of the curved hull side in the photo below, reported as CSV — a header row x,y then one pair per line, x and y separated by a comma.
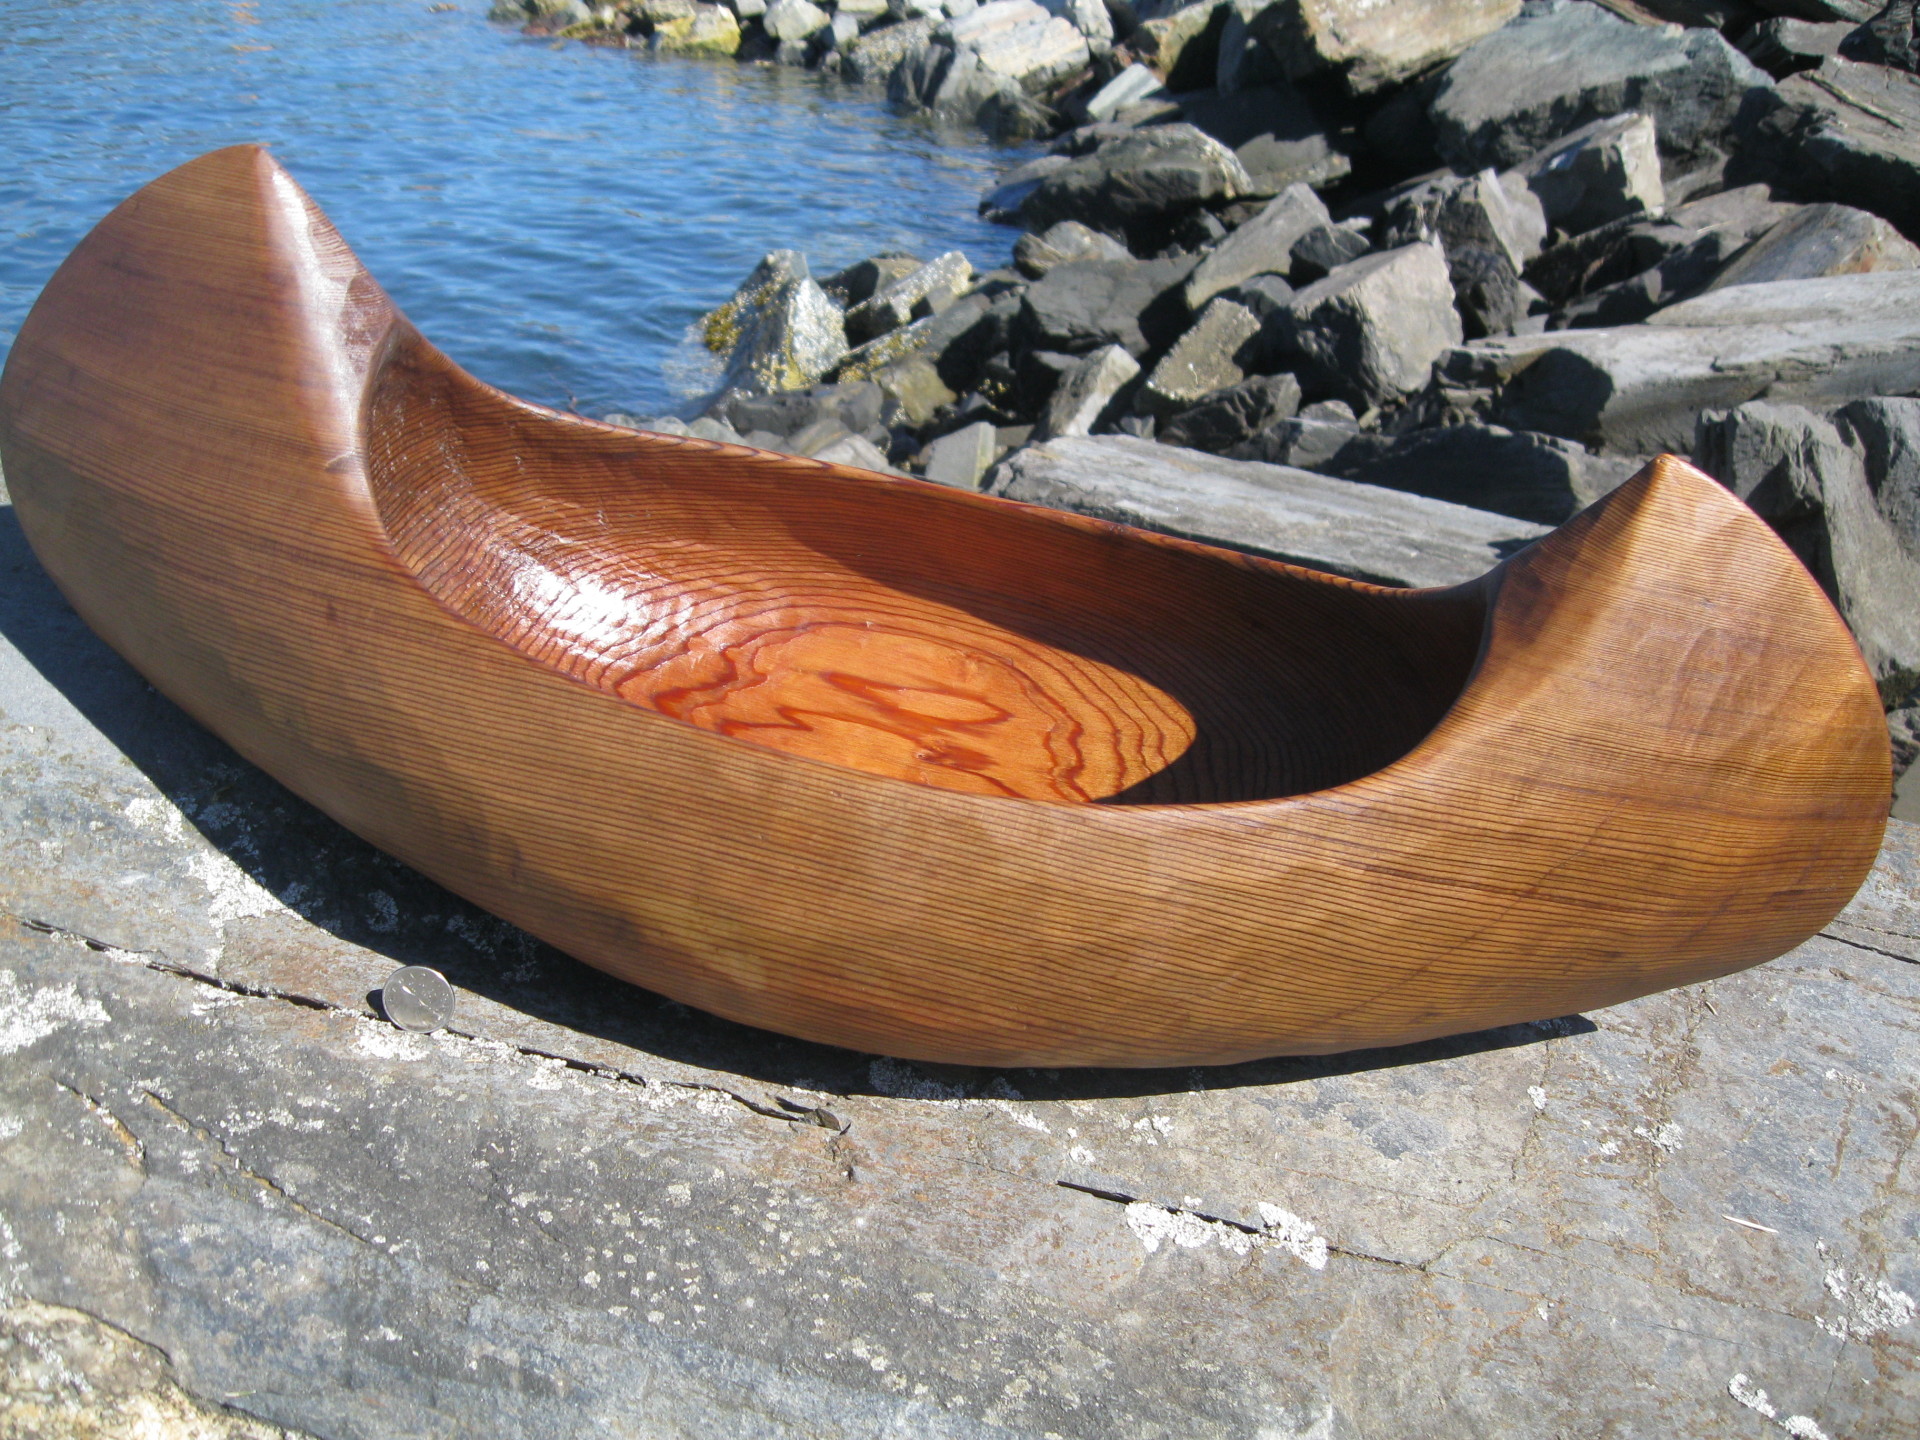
x,y
1669,763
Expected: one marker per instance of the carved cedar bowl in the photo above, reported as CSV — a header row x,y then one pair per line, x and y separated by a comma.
x,y
887,765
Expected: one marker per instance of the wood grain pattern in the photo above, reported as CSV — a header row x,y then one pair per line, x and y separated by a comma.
x,y
906,769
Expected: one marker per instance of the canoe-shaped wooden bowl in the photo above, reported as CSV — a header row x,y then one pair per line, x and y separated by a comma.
x,y
878,763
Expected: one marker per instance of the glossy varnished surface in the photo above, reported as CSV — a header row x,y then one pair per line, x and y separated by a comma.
x,y
768,736
899,629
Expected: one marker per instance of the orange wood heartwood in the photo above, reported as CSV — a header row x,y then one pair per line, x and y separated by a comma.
x,y
893,766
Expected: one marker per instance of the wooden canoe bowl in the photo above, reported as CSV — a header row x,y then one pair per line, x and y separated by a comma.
x,y
878,763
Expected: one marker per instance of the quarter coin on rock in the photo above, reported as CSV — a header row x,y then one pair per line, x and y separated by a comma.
x,y
416,998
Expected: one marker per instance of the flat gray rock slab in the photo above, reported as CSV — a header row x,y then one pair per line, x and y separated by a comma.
x,y
1362,531
1635,389
586,1211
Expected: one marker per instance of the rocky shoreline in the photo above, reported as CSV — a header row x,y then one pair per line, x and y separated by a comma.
x,y
1454,267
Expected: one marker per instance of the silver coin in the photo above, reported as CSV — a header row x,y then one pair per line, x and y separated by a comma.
x,y
416,998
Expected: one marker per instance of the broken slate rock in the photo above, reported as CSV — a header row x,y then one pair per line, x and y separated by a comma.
x,y
1262,294
1374,46
1324,249
1748,211
780,331
1371,330
1018,40
1612,252
1035,255
1788,462
1138,181
856,451
1685,272
1131,86
1002,203
1086,304
1474,212
1784,46
1384,536
1886,432
1845,132
794,20
1310,440
1181,43
1564,64
872,59
1086,393
1235,414
1264,245
1280,135
1218,351
1635,389
1598,173
924,291
1821,240
1891,38
961,459
1543,478
859,281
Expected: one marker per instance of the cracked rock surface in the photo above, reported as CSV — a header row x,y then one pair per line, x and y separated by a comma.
x,y
234,1199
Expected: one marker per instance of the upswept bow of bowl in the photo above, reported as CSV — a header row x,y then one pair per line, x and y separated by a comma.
x,y
883,764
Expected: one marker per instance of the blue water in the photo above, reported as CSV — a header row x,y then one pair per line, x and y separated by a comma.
x,y
553,215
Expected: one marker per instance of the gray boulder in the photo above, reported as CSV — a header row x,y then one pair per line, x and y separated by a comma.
x,y
1086,393
1324,249
1384,536
859,280
1890,38
1475,212
1370,331
856,451
1310,440
926,290
1264,245
1181,41
1235,414
1262,294
1218,351
1002,203
872,59
1682,273
794,20
1019,40
1784,45
1563,64
1598,173
961,459
1799,471
1085,305
1140,179
955,86
1089,17
1373,46
1487,230
854,407
1131,86
1747,210
1819,240
1532,477
1609,253
1035,255
1844,132
1886,433
780,331
1635,389
1280,135
957,342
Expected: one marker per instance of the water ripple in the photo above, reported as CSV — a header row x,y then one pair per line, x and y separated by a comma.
x,y
553,215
